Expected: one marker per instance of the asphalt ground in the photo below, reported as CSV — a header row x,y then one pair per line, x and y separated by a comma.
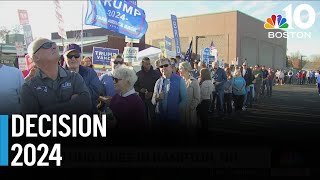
x,y
290,116
277,136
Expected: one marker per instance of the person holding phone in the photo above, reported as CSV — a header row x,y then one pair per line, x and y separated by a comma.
x,y
170,95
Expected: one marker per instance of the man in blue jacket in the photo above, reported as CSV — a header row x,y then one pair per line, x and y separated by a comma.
x,y
219,77
72,57
169,95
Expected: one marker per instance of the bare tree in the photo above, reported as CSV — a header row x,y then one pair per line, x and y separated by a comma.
x,y
315,58
3,33
294,60
16,29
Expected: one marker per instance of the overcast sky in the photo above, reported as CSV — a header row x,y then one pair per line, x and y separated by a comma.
x,y
43,21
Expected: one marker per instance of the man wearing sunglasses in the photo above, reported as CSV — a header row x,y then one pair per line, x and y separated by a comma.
x,y
106,79
53,90
107,82
170,95
72,57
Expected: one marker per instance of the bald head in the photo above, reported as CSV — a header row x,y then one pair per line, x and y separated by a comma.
x,y
35,45
43,50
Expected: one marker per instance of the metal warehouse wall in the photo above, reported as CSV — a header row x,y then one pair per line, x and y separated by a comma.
x,y
234,34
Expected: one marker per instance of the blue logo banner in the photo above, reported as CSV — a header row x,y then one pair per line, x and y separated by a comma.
x,y
168,43
103,56
176,34
119,16
206,55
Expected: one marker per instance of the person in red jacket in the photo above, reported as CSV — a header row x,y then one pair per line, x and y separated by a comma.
x,y
298,77
303,76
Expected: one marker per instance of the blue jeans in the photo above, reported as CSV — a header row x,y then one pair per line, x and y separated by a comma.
x,y
248,96
220,100
269,87
263,86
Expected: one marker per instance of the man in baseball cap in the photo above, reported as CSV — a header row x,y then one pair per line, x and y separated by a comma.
x,y
71,47
72,57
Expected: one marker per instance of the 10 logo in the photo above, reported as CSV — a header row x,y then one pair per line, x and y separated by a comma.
x,y
278,22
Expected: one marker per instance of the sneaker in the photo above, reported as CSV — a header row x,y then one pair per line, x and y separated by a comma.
x,y
244,108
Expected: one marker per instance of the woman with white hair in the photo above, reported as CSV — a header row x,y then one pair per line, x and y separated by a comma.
x,y
193,92
126,105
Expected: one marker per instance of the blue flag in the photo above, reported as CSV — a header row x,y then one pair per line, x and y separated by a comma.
x,y
175,30
119,16
189,53
168,43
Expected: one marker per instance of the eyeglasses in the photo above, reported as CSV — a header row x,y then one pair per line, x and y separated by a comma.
x,y
117,62
116,80
165,65
70,56
46,45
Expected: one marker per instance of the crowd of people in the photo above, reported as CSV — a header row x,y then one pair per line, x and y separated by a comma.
x,y
172,93
300,77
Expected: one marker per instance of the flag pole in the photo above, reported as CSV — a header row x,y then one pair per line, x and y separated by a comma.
x,y
82,31
62,42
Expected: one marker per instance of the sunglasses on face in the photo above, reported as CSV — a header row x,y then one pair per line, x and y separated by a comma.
x,y
165,65
46,45
116,80
70,56
118,62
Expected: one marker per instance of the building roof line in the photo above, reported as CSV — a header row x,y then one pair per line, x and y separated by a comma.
x,y
214,13
196,15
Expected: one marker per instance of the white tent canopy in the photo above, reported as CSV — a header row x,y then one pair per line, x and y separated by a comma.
x,y
149,52
153,54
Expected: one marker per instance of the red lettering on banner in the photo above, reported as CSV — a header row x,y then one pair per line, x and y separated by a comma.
x,y
23,17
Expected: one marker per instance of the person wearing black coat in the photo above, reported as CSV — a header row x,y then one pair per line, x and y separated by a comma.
x,y
147,78
248,77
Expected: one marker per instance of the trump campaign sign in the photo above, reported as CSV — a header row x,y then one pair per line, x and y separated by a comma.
x,y
120,16
102,56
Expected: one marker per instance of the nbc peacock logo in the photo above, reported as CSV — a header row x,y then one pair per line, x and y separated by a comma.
x,y
288,26
276,22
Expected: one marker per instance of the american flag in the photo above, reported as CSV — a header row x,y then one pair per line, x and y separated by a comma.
x,y
189,53
212,46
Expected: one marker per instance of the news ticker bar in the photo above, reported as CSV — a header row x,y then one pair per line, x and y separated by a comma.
x,y
167,157
4,140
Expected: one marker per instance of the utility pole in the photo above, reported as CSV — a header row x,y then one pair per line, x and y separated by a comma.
x,y
301,61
